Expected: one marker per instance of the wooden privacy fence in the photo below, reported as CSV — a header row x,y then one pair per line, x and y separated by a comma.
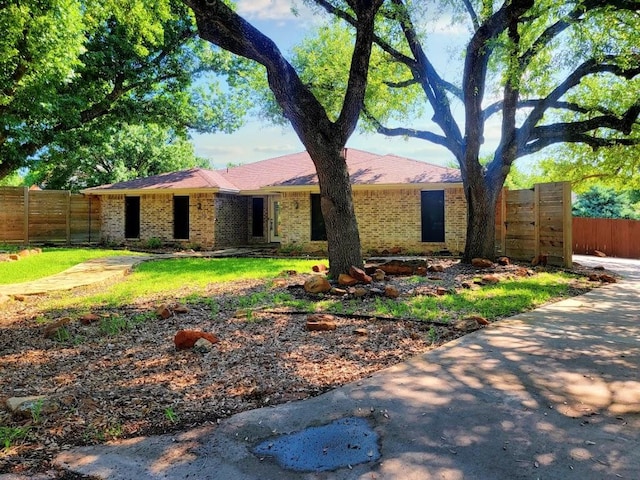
x,y
615,237
48,216
536,222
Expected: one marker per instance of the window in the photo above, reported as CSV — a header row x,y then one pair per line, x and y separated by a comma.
x,y
318,229
181,217
131,217
432,215
257,222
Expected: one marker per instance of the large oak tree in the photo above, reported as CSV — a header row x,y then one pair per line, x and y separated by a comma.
x,y
545,72
323,137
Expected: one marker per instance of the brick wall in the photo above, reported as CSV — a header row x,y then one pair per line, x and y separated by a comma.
x,y
201,218
386,219
112,218
156,217
231,222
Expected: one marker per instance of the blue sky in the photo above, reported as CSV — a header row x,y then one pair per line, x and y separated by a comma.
x,y
258,140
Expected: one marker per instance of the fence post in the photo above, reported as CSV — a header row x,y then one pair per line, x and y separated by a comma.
x,y
567,227
68,219
25,195
536,220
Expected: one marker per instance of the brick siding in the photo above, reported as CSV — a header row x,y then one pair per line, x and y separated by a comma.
x,y
231,222
386,219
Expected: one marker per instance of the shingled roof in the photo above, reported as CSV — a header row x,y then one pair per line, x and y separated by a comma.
x,y
295,170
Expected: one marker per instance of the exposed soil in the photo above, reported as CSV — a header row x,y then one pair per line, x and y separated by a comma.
x,y
101,386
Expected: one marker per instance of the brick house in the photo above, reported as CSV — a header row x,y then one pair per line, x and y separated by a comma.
x,y
399,202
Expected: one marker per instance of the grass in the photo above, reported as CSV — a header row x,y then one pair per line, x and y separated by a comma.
x,y
186,275
50,262
9,435
495,301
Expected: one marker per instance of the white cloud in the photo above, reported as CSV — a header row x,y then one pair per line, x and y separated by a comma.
x,y
278,10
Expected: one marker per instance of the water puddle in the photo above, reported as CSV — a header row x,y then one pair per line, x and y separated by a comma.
x,y
344,442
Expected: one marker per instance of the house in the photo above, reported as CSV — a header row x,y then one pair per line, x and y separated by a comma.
x,y
398,202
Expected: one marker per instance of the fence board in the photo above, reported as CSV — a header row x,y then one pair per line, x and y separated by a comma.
x,y
48,216
614,237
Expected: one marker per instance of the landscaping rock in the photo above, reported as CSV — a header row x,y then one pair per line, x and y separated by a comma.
x,y
481,263
391,292
319,268
180,309
395,250
361,332
478,319
598,253
321,322
490,279
540,260
163,311
24,253
317,284
400,267
422,271
28,407
440,291
359,275
14,256
606,278
89,318
465,324
346,280
337,291
597,267
186,339
435,268
52,329
503,261
378,275
19,297
360,292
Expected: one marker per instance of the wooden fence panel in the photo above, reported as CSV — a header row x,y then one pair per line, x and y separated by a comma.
x,y
615,237
48,216
536,222
12,209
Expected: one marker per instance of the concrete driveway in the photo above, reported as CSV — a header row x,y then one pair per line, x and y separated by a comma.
x,y
550,394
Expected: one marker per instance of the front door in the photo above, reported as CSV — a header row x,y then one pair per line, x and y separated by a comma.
x,y
274,218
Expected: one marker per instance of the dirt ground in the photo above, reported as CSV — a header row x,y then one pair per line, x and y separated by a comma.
x,y
99,385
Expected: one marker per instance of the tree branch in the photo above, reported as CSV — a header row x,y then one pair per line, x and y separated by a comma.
x,y
407,132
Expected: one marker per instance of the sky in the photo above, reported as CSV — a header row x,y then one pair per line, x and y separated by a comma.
x,y
259,140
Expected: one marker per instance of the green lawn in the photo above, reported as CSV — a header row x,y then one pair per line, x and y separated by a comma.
x,y
186,275
50,262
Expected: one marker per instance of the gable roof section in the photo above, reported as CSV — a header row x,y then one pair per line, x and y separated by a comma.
x,y
365,168
192,179
295,170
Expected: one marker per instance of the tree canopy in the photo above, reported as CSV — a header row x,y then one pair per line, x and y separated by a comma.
x,y
601,202
74,72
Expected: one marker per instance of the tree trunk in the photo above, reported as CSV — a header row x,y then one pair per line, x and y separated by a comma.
x,y
337,209
481,221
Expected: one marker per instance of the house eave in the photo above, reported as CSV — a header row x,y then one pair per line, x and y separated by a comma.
x,y
386,186
158,191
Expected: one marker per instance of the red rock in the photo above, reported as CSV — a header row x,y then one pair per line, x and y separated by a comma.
x,y
490,279
89,318
185,339
359,274
360,292
24,253
52,329
607,278
321,322
599,267
346,280
435,268
337,291
479,320
391,292
399,267
395,250
14,256
163,311
440,291
422,271
521,272
593,277
598,253
320,268
503,261
317,284
481,263
362,332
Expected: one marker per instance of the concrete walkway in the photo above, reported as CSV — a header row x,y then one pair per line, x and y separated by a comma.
x,y
550,394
